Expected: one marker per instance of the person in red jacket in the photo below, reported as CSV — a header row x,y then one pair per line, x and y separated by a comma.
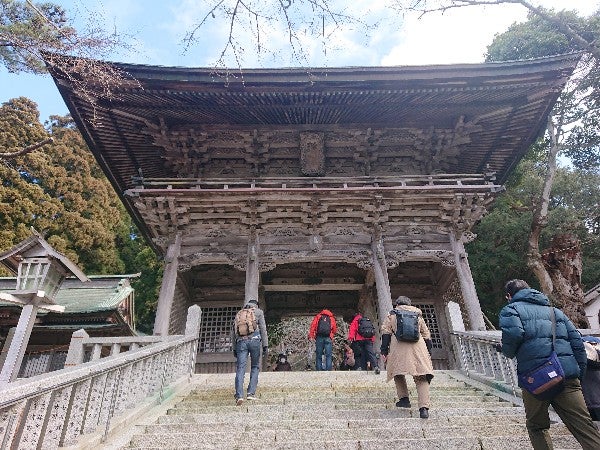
x,y
322,330
364,343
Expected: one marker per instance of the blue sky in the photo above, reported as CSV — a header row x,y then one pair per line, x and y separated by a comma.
x,y
156,29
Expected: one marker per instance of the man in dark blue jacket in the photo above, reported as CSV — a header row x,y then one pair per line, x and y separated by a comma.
x,y
526,325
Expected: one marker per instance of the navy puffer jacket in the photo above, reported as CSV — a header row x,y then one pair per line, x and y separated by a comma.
x,y
527,334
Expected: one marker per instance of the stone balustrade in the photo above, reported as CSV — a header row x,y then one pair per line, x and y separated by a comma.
x,y
52,410
476,355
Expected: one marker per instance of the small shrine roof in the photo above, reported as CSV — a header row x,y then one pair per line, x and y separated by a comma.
x,y
101,293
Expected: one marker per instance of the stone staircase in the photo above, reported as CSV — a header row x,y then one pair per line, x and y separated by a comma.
x,y
337,410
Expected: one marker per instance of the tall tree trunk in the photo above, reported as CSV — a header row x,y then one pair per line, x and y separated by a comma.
x,y
563,263
558,269
540,217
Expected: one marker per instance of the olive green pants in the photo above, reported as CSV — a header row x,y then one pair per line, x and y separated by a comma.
x,y
570,407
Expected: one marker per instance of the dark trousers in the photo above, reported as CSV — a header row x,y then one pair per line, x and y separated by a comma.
x,y
366,354
570,407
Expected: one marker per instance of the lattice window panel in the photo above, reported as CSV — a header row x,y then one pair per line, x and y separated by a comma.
x,y
431,321
36,363
215,330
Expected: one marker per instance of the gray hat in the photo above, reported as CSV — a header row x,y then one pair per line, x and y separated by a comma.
x,y
402,300
252,300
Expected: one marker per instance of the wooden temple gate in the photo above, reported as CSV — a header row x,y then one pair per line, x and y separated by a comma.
x,y
340,188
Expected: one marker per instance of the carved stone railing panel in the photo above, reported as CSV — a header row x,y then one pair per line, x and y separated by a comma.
x,y
9,419
478,358
76,417
111,388
126,386
54,409
95,403
56,420
36,416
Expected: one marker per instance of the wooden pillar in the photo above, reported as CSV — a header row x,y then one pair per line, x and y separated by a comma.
x,y
167,289
16,351
467,285
382,282
252,271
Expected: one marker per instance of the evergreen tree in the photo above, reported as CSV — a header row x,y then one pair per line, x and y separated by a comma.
x,y
62,193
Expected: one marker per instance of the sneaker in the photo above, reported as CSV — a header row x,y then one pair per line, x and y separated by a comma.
x,y
404,402
377,371
424,413
239,401
251,397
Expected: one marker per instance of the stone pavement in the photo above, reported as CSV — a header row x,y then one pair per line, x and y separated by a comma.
x,y
336,410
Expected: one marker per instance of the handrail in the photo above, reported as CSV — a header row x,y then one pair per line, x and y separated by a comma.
x,y
478,358
55,409
41,384
320,182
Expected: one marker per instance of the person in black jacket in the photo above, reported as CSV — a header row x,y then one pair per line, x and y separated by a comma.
x,y
590,384
526,324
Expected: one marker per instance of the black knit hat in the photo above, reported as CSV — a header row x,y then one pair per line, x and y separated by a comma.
x,y
402,300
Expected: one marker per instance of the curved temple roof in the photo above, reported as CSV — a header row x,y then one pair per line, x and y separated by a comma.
x,y
172,123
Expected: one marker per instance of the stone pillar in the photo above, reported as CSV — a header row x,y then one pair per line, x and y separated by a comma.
x,y
382,282
16,351
455,318
252,271
9,338
192,324
76,351
167,289
467,285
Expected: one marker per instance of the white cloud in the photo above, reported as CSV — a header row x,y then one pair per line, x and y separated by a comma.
x,y
462,35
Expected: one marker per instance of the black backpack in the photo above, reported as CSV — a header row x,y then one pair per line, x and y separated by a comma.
x,y
407,326
365,327
324,325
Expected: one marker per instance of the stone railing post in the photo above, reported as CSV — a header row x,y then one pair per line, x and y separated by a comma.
x,y
192,329
9,338
456,323
192,323
76,351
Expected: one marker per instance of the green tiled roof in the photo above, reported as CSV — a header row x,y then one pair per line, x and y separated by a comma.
x,y
101,293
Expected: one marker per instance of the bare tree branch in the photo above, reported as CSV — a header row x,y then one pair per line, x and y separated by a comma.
x,y
26,150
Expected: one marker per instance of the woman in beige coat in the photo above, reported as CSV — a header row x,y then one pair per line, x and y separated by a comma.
x,y
408,358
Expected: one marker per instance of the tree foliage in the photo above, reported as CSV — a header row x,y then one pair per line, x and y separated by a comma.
x,y
552,211
28,31
500,251
63,193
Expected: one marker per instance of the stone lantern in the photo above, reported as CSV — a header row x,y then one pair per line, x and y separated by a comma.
x,y
40,272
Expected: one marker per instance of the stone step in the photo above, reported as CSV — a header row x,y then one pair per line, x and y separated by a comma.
x,y
559,442
211,422
280,432
275,439
241,413
403,444
383,401
292,380
493,443
343,411
324,407
446,438
330,393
